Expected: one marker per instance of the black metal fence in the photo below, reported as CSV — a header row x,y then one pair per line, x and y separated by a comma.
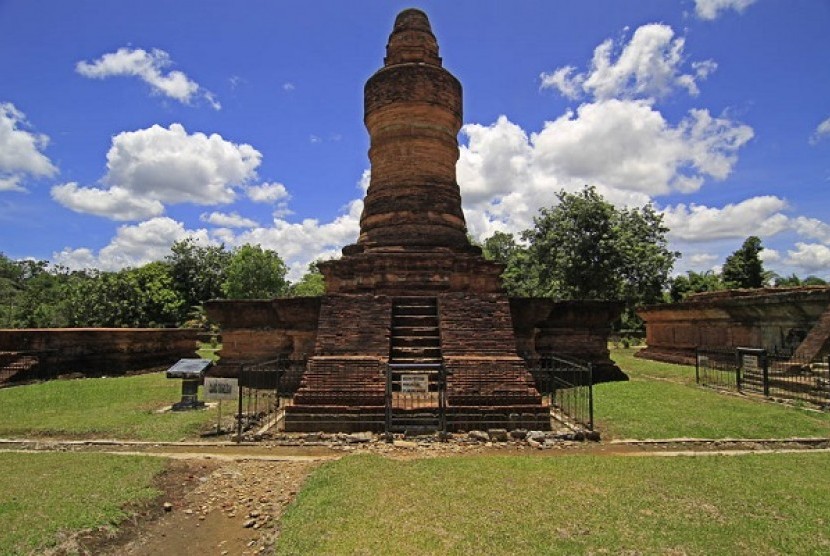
x,y
567,384
416,397
761,372
265,387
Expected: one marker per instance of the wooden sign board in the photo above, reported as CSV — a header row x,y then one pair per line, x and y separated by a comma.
x,y
221,389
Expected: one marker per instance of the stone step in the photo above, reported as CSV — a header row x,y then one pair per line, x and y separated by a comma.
x,y
400,310
416,351
415,330
416,341
415,320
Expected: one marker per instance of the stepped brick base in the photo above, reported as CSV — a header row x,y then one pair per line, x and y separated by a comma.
x,y
487,383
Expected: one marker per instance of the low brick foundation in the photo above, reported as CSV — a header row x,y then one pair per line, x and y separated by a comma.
x,y
94,351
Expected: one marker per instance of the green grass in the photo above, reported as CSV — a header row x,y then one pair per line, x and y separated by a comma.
x,y
42,494
123,408
564,505
662,401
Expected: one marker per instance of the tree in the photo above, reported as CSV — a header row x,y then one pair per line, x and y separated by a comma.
x,y
198,272
585,248
694,282
793,280
743,268
311,284
254,273
502,247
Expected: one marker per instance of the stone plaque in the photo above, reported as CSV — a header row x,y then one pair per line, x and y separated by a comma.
x,y
221,389
414,383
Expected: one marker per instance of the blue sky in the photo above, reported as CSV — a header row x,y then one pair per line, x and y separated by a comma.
x,y
125,126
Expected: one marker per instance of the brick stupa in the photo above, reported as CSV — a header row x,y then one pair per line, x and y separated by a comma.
x,y
412,290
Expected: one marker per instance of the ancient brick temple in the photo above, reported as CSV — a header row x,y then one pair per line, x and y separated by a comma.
x,y
784,320
412,290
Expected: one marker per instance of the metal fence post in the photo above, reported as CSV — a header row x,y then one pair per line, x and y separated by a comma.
x,y
697,365
738,363
590,396
442,401
765,370
388,414
239,407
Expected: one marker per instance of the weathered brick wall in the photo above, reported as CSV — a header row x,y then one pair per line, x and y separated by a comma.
x,y
475,324
577,329
354,324
262,329
778,318
97,351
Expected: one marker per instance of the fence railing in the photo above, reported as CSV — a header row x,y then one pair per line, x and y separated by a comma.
x,y
265,387
762,372
567,385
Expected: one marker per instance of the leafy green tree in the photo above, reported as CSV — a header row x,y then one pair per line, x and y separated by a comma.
x,y
155,298
694,282
585,248
793,280
311,284
254,273
743,268
198,272
502,247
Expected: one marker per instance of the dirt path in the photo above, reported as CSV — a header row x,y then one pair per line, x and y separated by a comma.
x,y
222,498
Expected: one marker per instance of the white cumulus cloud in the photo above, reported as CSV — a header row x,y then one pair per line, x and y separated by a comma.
x,y
625,148
300,243
822,131
812,257
711,9
133,245
232,220
155,166
760,216
647,67
149,67
20,150
267,192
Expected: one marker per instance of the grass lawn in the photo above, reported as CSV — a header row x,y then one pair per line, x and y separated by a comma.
x,y
42,494
564,505
122,407
662,401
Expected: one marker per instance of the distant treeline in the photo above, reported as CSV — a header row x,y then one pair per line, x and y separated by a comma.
x,y
34,294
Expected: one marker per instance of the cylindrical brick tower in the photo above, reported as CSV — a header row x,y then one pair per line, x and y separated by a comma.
x,y
413,113
413,237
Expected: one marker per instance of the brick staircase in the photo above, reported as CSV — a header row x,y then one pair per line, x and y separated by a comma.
x,y
415,336
13,364
816,340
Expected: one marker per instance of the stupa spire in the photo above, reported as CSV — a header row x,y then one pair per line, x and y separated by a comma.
x,y
412,110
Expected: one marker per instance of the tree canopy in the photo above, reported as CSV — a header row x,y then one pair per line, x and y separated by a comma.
x,y
743,268
585,248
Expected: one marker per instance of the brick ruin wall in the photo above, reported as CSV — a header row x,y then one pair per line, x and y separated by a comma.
x,y
777,319
91,351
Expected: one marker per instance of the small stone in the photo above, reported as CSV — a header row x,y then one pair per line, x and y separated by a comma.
x,y
188,511
249,523
359,437
498,435
536,436
168,507
518,434
480,436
